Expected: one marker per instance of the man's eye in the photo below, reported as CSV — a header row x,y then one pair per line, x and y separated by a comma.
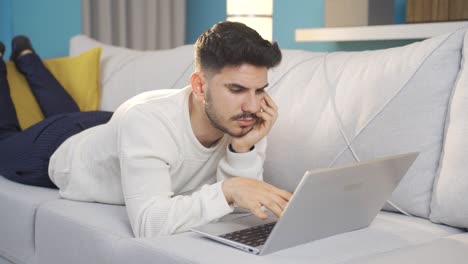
x,y
235,90
260,91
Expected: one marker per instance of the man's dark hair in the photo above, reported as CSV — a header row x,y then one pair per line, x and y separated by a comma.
x,y
233,43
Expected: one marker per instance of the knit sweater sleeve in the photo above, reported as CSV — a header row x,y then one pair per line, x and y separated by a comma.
x,y
147,150
248,165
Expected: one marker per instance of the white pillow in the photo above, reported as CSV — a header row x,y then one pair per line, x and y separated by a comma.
x,y
450,197
126,73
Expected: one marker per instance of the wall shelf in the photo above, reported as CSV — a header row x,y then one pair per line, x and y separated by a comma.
x,y
385,32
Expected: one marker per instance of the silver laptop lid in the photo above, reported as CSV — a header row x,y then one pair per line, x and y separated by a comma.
x,y
337,200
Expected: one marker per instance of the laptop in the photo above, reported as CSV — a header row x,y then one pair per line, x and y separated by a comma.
x,y
326,202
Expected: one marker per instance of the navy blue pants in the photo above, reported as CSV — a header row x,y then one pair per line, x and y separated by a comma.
x,y
25,155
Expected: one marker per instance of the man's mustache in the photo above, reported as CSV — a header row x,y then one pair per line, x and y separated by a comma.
x,y
245,115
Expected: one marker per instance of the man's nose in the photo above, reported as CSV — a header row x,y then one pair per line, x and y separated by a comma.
x,y
252,103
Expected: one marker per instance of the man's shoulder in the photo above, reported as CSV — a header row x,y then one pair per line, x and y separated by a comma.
x,y
158,96
153,102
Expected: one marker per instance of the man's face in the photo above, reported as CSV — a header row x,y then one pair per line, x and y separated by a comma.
x,y
233,97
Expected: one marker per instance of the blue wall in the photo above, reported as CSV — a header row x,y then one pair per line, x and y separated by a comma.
x,y
5,23
400,11
201,15
51,23
293,14
48,23
287,17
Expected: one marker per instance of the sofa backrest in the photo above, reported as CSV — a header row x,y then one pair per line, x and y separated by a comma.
x,y
345,107
335,108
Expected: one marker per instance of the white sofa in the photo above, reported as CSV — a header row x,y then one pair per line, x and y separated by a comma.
x,y
334,108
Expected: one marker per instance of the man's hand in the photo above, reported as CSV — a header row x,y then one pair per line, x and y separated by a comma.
x,y
253,194
266,118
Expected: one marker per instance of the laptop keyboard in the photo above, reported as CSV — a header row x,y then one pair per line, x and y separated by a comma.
x,y
252,236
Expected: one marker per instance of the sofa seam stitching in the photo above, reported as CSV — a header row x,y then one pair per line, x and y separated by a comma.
x,y
272,86
395,95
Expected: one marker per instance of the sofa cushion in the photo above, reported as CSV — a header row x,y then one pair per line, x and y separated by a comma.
x,y
345,107
79,232
450,249
389,231
75,232
450,197
5,261
126,73
18,204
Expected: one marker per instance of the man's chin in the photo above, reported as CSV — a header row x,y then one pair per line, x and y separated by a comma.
x,y
241,131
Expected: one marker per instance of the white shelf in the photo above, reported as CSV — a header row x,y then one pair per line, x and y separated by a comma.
x,y
386,32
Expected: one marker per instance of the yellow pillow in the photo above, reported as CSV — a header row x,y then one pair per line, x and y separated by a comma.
x,y
78,75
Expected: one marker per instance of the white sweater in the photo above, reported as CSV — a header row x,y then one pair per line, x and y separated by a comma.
x,y
148,158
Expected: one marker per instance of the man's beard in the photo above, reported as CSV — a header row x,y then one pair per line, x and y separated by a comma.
x,y
216,120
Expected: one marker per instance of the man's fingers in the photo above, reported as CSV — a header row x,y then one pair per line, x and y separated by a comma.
x,y
283,193
265,116
259,213
272,206
281,197
280,201
267,109
265,124
253,194
270,102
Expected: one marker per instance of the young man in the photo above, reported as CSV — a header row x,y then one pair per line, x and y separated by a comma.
x,y
181,158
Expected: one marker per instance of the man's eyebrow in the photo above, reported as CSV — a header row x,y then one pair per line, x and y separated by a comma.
x,y
236,85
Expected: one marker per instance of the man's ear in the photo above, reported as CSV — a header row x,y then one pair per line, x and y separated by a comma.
x,y
197,82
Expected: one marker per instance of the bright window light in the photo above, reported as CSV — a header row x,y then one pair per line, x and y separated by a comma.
x,y
250,7
257,14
